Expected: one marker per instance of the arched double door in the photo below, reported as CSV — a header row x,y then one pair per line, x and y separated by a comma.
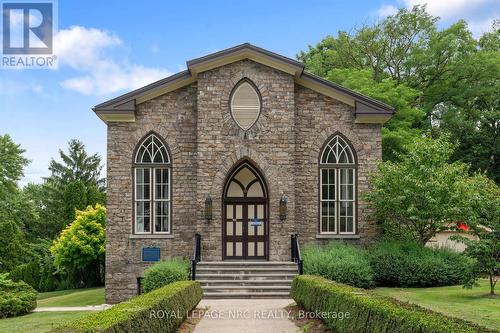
x,y
245,225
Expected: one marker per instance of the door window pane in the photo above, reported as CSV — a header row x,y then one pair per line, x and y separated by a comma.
x,y
229,211
251,249
229,228
260,211
239,249
229,249
260,229
251,212
239,211
251,229
239,228
260,249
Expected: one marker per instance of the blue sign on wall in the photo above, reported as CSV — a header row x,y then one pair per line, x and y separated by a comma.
x,y
150,254
255,222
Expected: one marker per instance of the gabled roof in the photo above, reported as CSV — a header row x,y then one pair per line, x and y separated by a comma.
x,y
122,108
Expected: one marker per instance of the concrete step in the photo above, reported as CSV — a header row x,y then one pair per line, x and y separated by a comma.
x,y
267,294
242,279
226,288
250,287
245,270
245,277
246,263
245,282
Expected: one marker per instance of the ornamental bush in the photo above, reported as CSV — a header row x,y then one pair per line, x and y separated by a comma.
x,y
339,262
165,272
161,310
16,298
398,264
81,247
346,309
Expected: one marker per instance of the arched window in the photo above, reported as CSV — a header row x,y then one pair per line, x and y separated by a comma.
x,y
337,190
245,104
245,183
152,187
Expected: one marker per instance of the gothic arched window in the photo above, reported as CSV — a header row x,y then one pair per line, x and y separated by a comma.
x,y
337,192
152,183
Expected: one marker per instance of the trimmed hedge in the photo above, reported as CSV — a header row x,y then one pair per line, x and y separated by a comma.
x,y
165,272
398,264
369,312
339,262
161,310
16,298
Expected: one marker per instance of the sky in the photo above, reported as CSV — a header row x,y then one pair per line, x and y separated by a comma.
x,y
107,48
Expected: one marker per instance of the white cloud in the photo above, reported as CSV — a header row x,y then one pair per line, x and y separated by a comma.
x,y
479,27
479,14
386,10
97,54
448,8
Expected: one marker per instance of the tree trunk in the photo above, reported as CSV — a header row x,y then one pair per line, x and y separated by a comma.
x,y
492,285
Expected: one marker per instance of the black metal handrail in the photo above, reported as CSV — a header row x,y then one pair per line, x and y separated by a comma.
x,y
296,256
196,255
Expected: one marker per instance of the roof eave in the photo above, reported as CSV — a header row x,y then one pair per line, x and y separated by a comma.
x,y
122,108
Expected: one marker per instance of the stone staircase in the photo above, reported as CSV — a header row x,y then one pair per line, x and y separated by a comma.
x,y
244,279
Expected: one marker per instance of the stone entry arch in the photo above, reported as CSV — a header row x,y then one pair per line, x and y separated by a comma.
x,y
245,214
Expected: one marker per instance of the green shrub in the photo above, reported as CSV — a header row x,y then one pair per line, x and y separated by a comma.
x,y
16,298
165,272
339,262
29,273
364,311
397,264
161,310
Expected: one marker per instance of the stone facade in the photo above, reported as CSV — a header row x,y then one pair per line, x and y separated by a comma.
x,y
205,144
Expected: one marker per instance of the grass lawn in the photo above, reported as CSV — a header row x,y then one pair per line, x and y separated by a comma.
x,y
469,304
45,321
38,321
72,297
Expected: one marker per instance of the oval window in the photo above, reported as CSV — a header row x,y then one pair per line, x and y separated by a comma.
x,y
245,104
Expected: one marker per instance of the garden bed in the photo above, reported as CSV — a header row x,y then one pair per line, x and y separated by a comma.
x,y
163,309
365,311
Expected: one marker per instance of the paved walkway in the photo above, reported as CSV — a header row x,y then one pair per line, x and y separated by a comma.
x,y
72,308
245,316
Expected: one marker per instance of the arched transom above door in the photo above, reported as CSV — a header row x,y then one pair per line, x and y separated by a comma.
x,y
245,183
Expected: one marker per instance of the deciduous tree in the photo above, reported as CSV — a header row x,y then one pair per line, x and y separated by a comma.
x,y
419,195
81,246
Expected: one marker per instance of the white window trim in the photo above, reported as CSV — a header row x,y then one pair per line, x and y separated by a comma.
x,y
334,232
152,200
141,200
353,232
337,200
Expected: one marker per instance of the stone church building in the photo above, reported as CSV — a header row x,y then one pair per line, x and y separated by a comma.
x,y
244,148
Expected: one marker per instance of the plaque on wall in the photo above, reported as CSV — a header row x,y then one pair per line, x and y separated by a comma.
x,y
150,254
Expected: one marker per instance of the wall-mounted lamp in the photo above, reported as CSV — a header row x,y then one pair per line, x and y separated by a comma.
x,y
208,208
283,201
